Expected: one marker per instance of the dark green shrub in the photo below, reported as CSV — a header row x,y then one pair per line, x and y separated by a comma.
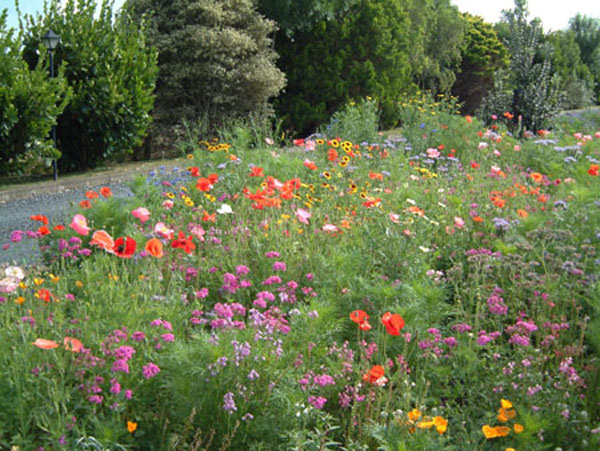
x,y
216,60
29,105
361,53
111,71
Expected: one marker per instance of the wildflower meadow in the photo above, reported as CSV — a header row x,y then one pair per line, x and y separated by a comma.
x,y
435,288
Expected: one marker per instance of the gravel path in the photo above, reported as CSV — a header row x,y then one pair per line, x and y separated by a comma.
x,y
15,215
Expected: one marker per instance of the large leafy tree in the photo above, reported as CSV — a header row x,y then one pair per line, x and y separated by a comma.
x,y
111,72
216,59
529,90
577,79
29,105
362,52
587,36
482,55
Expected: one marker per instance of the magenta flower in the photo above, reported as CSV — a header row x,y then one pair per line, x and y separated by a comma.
x,y
150,370
79,224
141,213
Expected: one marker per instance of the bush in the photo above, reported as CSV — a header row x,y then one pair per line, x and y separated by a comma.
x,y
216,60
356,122
111,71
362,53
29,105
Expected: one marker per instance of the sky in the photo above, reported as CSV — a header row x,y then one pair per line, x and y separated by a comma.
x,y
555,14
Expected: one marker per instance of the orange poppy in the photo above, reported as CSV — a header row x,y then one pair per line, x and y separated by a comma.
x,y
477,219
85,204
310,165
213,178
375,175
393,323
91,194
522,213
374,374
537,177
72,344
332,155
209,218
42,343
103,240
124,247
106,192
131,426
40,218
594,169
154,247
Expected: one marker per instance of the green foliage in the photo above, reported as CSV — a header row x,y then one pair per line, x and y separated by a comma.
x,y
216,60
361,53
111,71
482,55
437,34
578,81
356,122
529,90
29,105
587,35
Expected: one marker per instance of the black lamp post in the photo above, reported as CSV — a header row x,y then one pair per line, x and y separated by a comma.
x,y
51,40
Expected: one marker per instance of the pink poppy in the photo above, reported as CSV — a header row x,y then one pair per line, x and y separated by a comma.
x,y
303,215
79,224
162,230
141,213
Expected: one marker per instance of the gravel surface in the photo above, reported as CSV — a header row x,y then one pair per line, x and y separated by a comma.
x,y
14,215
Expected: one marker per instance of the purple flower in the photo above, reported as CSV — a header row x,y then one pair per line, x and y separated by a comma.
x,y
150,370
124,352
202,293
242,270
96,399
279,266
120,365
229,403
272,254
323,380
317,401
253,375
138,336
168,337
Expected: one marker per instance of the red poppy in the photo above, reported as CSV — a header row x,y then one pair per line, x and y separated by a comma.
x,y
59,227
256,171
204,184
40,218
374,374
194,171
213,178
44,295
91,194
187,244
360,317
594,170
124,247
43,230
393,323
105,192
85,204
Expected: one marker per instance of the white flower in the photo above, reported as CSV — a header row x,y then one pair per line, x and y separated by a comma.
x,y
15,272
225,210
